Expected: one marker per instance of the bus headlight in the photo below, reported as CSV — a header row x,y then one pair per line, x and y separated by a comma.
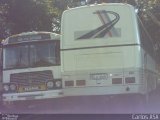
x,y
50,84
13,87
58,83
6,87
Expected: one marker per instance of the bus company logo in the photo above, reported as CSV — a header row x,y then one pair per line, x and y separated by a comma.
x,y
107,29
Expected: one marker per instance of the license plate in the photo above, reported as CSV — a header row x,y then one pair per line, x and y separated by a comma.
x,y
99,76
31,88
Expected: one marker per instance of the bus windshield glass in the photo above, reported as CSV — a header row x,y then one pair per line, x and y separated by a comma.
x,y
39,54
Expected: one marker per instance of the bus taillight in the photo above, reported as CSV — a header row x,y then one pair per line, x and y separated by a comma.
x,y
69,83
80,82
130,80
116,80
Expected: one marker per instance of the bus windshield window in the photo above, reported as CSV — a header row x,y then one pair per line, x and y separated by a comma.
x,y
31,55
16,56
42,54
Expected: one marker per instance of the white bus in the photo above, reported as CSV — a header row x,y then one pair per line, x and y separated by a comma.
x,y
1,86
105,50
31,67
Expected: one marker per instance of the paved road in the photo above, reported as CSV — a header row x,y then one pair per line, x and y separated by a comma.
x,y
89,105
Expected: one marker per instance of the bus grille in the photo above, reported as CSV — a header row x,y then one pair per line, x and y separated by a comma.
x,y
32,78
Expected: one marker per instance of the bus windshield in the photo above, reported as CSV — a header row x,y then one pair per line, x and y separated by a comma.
x,y
39,54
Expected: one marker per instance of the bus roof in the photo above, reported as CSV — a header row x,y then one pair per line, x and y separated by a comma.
x,y
95,5
30,36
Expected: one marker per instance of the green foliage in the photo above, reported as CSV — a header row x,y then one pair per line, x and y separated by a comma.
x,y
29,15
3,22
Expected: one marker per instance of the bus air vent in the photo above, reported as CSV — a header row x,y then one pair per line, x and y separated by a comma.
x,y
32,78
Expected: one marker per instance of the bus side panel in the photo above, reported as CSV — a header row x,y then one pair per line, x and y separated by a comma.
x,y
150,72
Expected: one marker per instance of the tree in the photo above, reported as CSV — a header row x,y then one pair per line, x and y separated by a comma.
x,y
149,13
3,23
29,15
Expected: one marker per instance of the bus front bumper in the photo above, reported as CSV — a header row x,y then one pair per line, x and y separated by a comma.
x,y
38,95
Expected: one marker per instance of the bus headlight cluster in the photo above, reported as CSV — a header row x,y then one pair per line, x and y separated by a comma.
x,y
50,84
58,83
6,87
11,87
54,84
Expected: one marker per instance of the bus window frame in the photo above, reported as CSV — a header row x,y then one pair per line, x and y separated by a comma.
x,y
30,43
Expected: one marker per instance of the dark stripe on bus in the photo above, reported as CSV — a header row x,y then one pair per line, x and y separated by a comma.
x,y
121,45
